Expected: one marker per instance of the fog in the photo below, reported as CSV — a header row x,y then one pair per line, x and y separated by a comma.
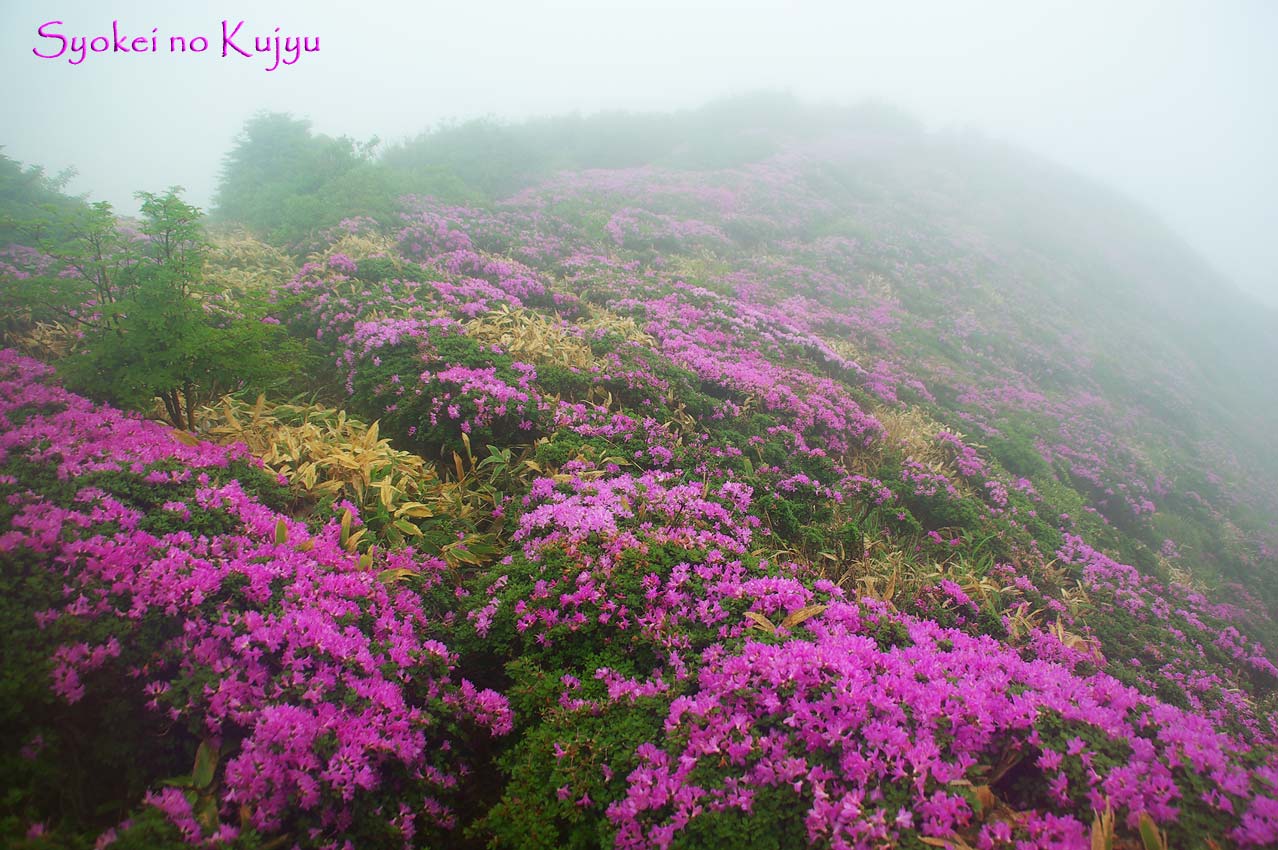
x,y
1172,103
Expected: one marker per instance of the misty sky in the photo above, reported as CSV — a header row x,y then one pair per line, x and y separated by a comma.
x,y
1174,103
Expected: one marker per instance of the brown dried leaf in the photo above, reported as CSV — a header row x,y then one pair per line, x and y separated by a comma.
x,y
797,617
985,799
185,438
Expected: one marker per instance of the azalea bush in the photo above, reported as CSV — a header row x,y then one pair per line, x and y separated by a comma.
x,y
305,682
769,504
433,384
687,694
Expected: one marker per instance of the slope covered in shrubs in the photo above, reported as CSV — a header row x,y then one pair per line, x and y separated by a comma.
x,y
810,498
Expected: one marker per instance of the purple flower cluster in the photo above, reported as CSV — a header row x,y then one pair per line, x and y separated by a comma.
x,y
318,681
876,744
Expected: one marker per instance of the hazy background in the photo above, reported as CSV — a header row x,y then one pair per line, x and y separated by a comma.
x,y
1173,103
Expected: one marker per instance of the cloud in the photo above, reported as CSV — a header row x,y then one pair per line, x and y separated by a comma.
x,y
1168,102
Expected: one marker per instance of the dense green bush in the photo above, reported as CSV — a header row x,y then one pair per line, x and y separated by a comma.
x,y
288,183
150,327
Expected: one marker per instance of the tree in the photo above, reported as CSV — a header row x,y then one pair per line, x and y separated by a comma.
x,y
152,329
285,182
24,190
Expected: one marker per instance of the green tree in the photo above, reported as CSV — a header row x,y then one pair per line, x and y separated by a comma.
x,y
286,183
152,328
25,190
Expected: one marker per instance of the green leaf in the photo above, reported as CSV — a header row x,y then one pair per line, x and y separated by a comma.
x,y
392,575
1150,835
346,527
206,759
407,527
183,781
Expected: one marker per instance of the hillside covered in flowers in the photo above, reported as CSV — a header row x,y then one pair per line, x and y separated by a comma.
x,y
711,481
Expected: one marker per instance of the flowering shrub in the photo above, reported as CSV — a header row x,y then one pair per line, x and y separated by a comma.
x,y
311,674
851,727
724,511
868,747
431,384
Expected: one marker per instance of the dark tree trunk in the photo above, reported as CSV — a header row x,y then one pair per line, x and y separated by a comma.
x,y
171,407
190,408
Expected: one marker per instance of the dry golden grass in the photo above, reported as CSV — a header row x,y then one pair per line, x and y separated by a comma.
x,y
358,246
238,262
1182,576
909,428
890,574
47,341
845,349
915,432
624,326
703,269
324,453
911,431
536,338
531,337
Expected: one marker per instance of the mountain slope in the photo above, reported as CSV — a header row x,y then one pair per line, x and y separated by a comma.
x,y
783,478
